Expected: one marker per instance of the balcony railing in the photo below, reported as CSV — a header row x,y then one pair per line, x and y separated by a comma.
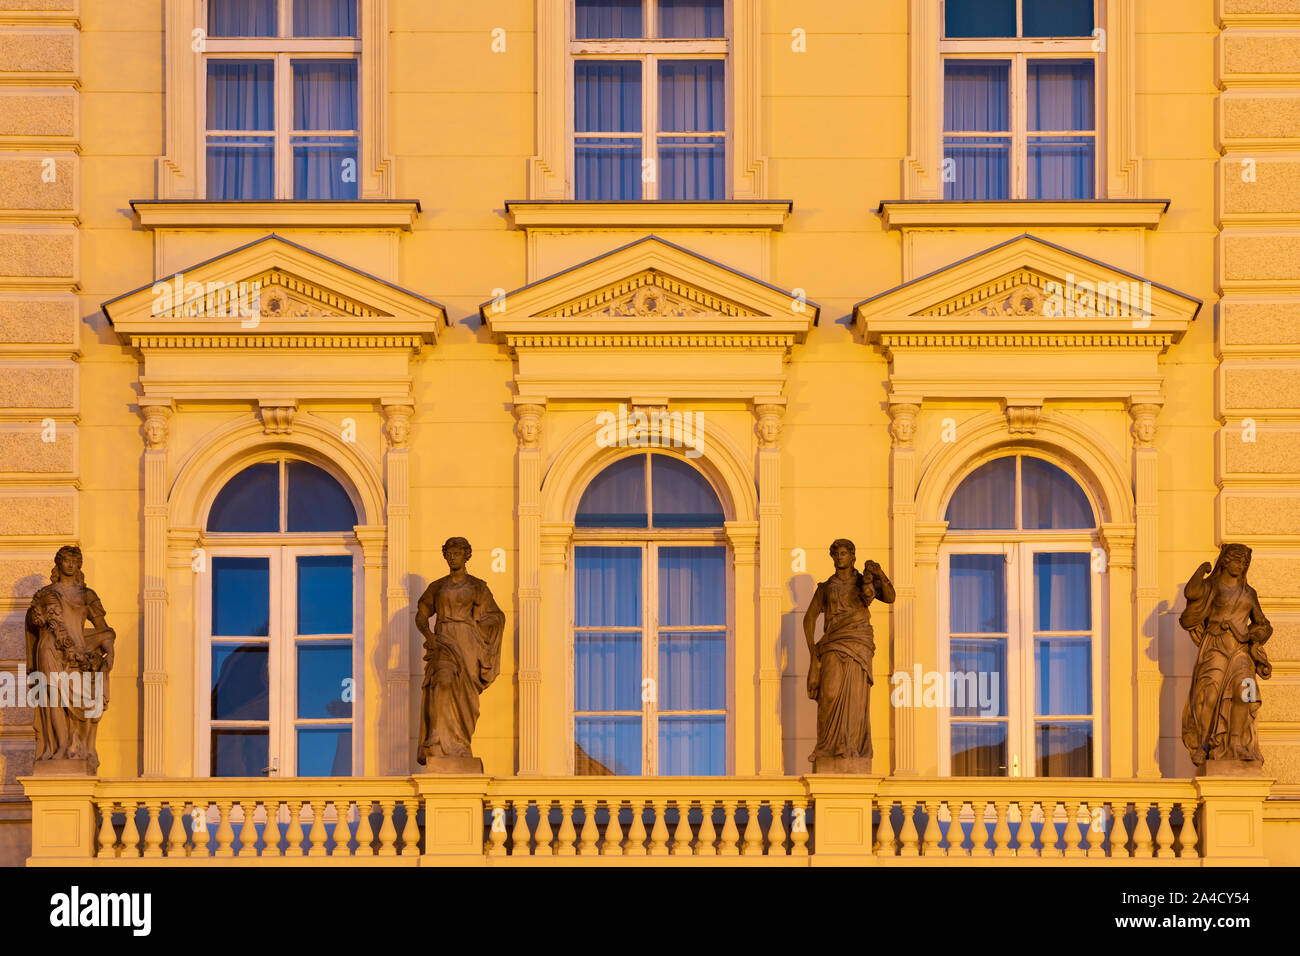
x,y
531,821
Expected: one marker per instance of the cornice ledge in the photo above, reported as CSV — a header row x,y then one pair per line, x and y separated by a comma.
x,y
1022,213
277,213
751,214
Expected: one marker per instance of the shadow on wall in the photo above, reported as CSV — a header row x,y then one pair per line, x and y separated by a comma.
x,y
798,713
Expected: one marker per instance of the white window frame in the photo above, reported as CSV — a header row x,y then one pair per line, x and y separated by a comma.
x,y
650,540
649,50
1018,548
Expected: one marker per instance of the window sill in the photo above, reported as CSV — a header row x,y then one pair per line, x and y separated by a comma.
x,y
1096,213
650,214
282,213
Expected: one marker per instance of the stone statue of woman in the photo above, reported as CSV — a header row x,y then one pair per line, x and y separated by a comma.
x,y
462,656
69,666
839,675
1225,620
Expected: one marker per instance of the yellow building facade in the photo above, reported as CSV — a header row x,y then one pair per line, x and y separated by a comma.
x,y
1009,297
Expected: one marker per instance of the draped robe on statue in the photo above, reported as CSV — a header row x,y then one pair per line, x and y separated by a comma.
x,y
844,651
464,657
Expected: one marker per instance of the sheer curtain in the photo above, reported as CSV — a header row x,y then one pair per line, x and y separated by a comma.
x,y
325,98
242,18
324,18
691,100
1063,663
692,663
1061,99
1052,499
607,99
976,100
241,97
986,499
699,19
607,19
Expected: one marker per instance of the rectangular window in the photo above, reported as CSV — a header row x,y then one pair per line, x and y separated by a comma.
x,y
282,99
649,99
1020,94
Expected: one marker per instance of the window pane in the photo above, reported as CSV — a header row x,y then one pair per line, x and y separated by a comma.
x,y
325,751
241,95
325,167
977,594
250,501
981,167
607,99
693,746
616,497
1057,18
1051,498
1064,749
683,498
692,586
607,587
691,18
607,671
986,499
322,670
691,101
607,19
241,682
325,594
241,167
980,18
241,597
606,745
1064,666
1061,167
324,94
324,18
317,502
242,18
692,671
977,99
240,753
1062,592
979,678
979,750
1061,96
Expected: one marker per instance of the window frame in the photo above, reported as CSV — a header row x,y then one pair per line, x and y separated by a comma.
x,y
649,50
650,540
1018,547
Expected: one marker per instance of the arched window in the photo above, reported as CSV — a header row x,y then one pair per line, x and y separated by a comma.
x,y
650,622
1021,613
280,619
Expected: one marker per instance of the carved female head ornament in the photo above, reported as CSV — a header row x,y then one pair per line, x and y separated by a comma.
x,y
67,565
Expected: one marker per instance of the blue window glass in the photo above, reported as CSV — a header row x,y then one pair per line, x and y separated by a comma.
x,y
242,18
1062,592
979,677
692,746
977,129
692,586
979,749
683,498
241,597
325,751
248,502
325,594
616,498
986,499
692,125
607,19
977,601
1057,18
323,669
240,753
325,18
1061,100
691,19
607,671
240,682
607,745
317,502
607,129
692,671
979,18
1064,666
1052,499
241,96
324,100
1064,749
607,587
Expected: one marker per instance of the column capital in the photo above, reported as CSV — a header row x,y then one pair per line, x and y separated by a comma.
x,y
902,424
1144,410
397,424
528,429
156,413
769,413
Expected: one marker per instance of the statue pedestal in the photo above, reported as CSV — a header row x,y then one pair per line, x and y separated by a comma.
x,y
62,767
1231,768
461,765
859,765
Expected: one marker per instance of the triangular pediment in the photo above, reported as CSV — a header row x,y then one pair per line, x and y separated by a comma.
x,y
274,287
1026,286
650,287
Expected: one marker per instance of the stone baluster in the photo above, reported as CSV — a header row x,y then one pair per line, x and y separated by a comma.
x,y
730,832
1072,829
107,836
1187,833
317,833
1025,832
1002,829
932,837
545,836
909,839
799,829
519,835
613,843
1050,833
365,830
776,829
496,841
1165,834
225,832
659,832
295,834
176,832
1118,832
1143,848
590,832
955,835
153,835
979,833
753,835
636,834
567,835
705,845
387,827
1091,838
682,832
411,831
342,832
885,829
